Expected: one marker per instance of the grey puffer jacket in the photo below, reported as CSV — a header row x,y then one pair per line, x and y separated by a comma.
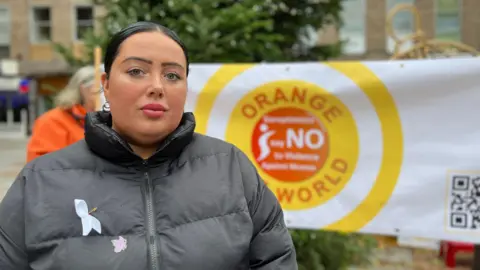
x,y
197,204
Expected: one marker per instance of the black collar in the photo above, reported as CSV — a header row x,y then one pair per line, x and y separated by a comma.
x,y
108,144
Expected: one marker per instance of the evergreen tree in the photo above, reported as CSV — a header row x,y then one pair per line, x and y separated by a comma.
x,y
224,30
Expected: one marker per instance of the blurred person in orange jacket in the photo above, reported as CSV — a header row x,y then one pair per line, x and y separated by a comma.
x,y
64,125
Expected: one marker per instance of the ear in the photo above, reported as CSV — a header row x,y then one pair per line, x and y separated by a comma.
x,y
105,86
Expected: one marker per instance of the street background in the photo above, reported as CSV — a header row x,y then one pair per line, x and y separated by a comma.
x,y
12,159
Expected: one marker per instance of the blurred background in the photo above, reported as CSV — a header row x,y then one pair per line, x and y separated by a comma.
x,y
42,42
29,30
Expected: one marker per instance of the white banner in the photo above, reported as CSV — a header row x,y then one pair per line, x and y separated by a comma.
x,y
378,147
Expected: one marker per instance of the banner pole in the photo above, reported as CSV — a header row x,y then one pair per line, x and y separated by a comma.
x,y
97,56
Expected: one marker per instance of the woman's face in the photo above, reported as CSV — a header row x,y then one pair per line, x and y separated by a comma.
x,y
147,88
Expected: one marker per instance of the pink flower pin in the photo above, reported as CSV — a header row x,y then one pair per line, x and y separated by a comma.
x,y
119,244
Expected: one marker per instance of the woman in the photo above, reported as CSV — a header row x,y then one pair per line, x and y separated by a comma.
x,y
143,191
63,125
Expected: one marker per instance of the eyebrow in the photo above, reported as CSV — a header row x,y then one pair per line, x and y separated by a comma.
x,y
165,64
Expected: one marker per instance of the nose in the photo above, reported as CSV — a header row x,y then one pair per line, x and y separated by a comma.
x,y
156,88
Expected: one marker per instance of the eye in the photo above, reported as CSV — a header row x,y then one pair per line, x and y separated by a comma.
x,y
172,76
135,72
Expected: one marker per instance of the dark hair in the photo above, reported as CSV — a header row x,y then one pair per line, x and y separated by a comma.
x,y
135,28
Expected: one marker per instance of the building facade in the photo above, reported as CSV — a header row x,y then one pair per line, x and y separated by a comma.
x,y
27,27
365,24
27,30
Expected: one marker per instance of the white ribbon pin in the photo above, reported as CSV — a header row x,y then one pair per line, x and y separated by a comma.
x,y
89,222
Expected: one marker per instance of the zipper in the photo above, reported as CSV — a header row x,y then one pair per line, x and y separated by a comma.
x,y
151,227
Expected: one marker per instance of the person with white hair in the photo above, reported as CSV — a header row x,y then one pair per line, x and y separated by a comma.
x,y
64,125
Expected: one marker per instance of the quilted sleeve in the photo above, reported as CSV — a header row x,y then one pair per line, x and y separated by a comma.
x,y
12,230
271,247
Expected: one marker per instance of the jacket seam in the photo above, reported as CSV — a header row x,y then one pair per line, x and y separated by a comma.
x,y
243,186
203,219
235,151
279,224
68,169
88,236
128,234
87,169
203,157
271,228
4,233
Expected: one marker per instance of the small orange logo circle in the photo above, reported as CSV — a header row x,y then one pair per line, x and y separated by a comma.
x,y
290,144
287,133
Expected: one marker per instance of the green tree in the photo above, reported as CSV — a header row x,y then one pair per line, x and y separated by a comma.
x,y
295,19
224,30
324,250
231,31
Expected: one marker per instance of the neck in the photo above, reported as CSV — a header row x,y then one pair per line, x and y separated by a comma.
x,y
143,152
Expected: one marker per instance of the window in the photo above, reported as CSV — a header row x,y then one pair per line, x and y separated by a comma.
x,y
447,20
353,29
4,51
3,109
403,25
5,32
84,21
41,29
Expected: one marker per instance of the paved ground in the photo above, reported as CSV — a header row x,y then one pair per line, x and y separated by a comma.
x,y
12,159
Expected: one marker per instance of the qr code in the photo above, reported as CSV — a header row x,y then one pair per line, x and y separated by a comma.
x,y
464,202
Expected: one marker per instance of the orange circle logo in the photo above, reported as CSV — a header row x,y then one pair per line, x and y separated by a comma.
x,y
290,144
285,127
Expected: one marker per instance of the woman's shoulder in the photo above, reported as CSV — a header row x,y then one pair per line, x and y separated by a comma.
x,y
203,145
226,155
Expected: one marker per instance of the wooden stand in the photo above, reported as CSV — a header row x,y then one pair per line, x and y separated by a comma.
x,y
422,47
98,73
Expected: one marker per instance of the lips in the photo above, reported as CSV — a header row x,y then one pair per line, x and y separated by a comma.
x,y
154,107
153,110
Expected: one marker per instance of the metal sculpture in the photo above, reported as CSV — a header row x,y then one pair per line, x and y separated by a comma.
x,y
423,48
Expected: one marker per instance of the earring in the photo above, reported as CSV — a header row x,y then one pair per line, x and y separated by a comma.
x,y
106,106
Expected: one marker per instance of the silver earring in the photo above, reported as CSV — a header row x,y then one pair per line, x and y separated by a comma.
x,y
106,106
